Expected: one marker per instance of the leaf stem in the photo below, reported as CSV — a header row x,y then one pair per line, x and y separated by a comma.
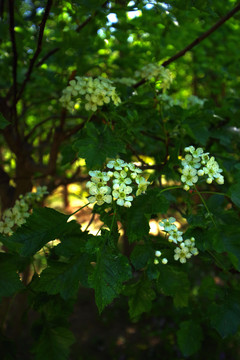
x,y
171,188
79,209
113,218
215,193
206,207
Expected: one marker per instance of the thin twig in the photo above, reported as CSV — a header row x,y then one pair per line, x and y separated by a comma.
x,y
79,28
205,205
47,119
50,53
196,41
14,49
90,18
136,154
90,221
39,47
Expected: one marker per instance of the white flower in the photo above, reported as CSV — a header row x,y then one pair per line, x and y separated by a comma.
x,y
191,161
212,169
133,168
5,228
196,153
121,178
142,185
122,195
90,104
189,175
97,176
189,149
182,254
116,164
158,253
164,261
168,224
205,158
175,236
100,195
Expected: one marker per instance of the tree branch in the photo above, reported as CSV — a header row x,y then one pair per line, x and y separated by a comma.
x,y
14,49
79,28
39,47
50,53
196,41
90,18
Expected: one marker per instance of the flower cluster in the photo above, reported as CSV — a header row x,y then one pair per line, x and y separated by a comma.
x,y
92,92
195,101
162,75
196,164
125,81
117,183
191,101
17,215
185,249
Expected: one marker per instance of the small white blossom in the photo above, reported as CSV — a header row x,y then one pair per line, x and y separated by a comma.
x,y
17,215
92,92
198,163
168,224
116,181
182,254
158,253
116,164
142,185
189,176
175,236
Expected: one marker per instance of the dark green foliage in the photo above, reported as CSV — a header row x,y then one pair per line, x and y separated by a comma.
x,y
41,227
225,315
61,278
189,337
175,283
139,214
108,276
180,310
53,343
3,121
10,283
140,256
140,297
96,145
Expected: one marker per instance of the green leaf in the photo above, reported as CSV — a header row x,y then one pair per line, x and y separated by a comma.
x,y
54,343
63,278
225,317
137,224
234,192
227,240
9,279
42,226
96,145
68,155
108,276
197,130
3,122
189,337
137,219
141,296
140,256
174,282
